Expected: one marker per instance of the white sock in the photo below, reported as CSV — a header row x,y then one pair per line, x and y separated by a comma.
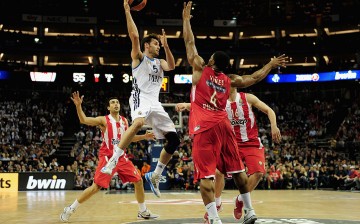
x,y
159,168
239,198
116,155
218,201
142,207
247,200
211,209
74,205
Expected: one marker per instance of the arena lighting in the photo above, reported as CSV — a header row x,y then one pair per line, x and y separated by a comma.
x,y
47,33
1,55
43,76
283,33
231,35
327,31
102,31
314,77
272,35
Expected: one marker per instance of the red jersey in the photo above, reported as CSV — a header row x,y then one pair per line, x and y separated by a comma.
x,y
112,135
208,101
243,120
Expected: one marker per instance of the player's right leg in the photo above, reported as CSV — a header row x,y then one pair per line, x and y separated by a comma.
x,y
85,195
163,128
125,140
206,151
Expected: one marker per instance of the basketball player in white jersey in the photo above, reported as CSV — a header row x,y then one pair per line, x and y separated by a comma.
x,y
148,73
242,119
112,128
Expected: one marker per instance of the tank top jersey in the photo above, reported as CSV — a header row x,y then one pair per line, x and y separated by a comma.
x,y
243,120
147,81
208,101
112,135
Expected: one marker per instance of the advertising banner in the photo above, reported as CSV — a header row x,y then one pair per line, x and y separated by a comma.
x,y
46,181
9,182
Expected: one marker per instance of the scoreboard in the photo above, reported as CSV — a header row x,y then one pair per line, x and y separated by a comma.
x,y
76,78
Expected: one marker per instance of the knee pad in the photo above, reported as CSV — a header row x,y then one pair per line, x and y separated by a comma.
x,y
173,142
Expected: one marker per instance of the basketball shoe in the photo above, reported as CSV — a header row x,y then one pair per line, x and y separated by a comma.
x,y
249,216
218,208
238,208
153,179
213,220
147,215
65,215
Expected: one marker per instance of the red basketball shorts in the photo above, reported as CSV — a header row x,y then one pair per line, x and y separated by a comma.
x,y
216,148
254,158
125,169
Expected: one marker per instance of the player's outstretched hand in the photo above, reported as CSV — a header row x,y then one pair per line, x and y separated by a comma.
x,y
179,107
163,39
279,61
76,98
187,10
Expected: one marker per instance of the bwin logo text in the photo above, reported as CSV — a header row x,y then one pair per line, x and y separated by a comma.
x,y
45,183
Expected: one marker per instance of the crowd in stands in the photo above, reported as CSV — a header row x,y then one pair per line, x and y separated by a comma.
x,y
308,157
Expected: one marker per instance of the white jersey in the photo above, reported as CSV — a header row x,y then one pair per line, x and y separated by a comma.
x,y
147,81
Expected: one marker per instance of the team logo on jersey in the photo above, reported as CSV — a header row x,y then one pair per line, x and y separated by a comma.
x,y
115,141
260,163
139,112
197,128
238,122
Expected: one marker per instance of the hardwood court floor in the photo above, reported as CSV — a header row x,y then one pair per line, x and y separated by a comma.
x,y
46,206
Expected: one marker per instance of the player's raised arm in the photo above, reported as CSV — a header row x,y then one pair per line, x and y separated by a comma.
x,y
256,102
248,80
169,64
191,52
91,121
136,53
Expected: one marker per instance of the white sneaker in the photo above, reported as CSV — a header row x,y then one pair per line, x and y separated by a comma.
x,y
108,168
153,180
147,215
249,216
65,215
213,220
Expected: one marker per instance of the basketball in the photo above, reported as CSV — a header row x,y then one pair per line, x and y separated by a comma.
x,y
137,5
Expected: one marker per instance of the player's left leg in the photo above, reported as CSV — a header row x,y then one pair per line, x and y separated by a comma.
x,y
143,213
128,173
219,187
84,196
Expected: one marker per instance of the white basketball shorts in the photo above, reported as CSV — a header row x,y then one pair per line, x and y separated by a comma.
x,y
154,114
